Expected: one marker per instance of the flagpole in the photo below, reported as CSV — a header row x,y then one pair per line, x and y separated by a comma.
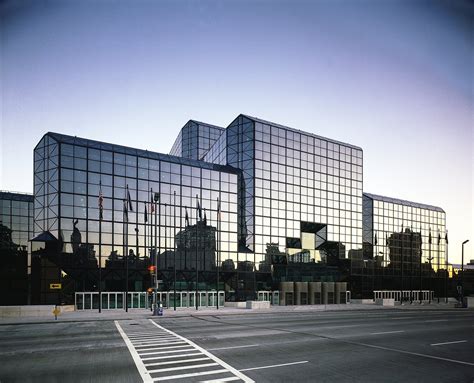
x,y
197,263
217,252
174,245
421,274
447,266
157,233
411,263
124,250
100,244
429,276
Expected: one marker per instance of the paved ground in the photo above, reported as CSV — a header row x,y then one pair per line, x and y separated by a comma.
x,y
385,345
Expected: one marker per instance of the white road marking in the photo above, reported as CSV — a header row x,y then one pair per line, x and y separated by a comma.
x,y
136,358
176,361
453,342
151,345
166,352
171,356
171,377
184,367
386,332
415,353
230,379
273,365
436,320
229,348
227,367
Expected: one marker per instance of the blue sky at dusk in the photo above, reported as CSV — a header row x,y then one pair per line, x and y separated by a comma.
x,y
394,77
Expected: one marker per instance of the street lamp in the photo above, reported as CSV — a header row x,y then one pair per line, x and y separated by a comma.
x,y
462,270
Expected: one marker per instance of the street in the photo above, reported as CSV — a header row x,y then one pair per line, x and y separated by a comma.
x,y
419,345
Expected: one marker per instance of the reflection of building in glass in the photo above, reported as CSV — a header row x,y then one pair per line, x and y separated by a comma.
x,y
194,240
292,209
16,226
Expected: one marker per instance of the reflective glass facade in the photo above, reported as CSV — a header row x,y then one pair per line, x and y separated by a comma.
x,y
71,172
292,209
16,227
404,242
195,139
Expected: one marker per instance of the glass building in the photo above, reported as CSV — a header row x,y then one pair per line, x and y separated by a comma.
x,y
16,227
70,175
195,139
404,245
291,209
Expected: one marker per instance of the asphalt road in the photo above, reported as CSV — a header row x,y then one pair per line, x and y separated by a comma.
x,y
365,346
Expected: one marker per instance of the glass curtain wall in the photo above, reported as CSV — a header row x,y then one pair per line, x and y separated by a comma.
x,y
89,169
404,240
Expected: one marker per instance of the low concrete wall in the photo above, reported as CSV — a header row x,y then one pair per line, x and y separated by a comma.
x,y
258,304
385,302
32,311
237,305
363,301
469,302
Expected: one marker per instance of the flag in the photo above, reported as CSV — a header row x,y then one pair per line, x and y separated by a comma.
x,y
375,239
152,205
429,238
439,238
125,210
186,217
446,238
146,214
198,208
129,200
101,204
205,218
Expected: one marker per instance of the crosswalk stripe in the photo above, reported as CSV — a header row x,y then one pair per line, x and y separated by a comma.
x,y
207,353
156,344
229,379
175,361
183,367
136,358
167,352
171,377
161,348
171,356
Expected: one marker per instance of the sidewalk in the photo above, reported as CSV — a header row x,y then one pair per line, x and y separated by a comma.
x,y
110,315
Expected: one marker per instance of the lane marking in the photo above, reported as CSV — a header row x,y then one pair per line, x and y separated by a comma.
x,y
229,348
386,332
136,358
414,353
453,342
152,345
273,365
436,320
227,367
171,377
183,367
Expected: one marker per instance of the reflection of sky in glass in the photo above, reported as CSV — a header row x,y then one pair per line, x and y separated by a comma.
x,y
394,78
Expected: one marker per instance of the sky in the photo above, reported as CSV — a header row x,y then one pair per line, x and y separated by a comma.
x,y
393,77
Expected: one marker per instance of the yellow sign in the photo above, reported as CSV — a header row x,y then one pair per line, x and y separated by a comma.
x,y
55,286
56,311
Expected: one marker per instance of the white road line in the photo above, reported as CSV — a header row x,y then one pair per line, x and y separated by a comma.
x,y
183,367
151,339
171,377
207,353
273,365
453,342
386,332
436,320
229,379
142,346
136,358
167,352
229,348
176,361
161,348
148,337
171,356
415,353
